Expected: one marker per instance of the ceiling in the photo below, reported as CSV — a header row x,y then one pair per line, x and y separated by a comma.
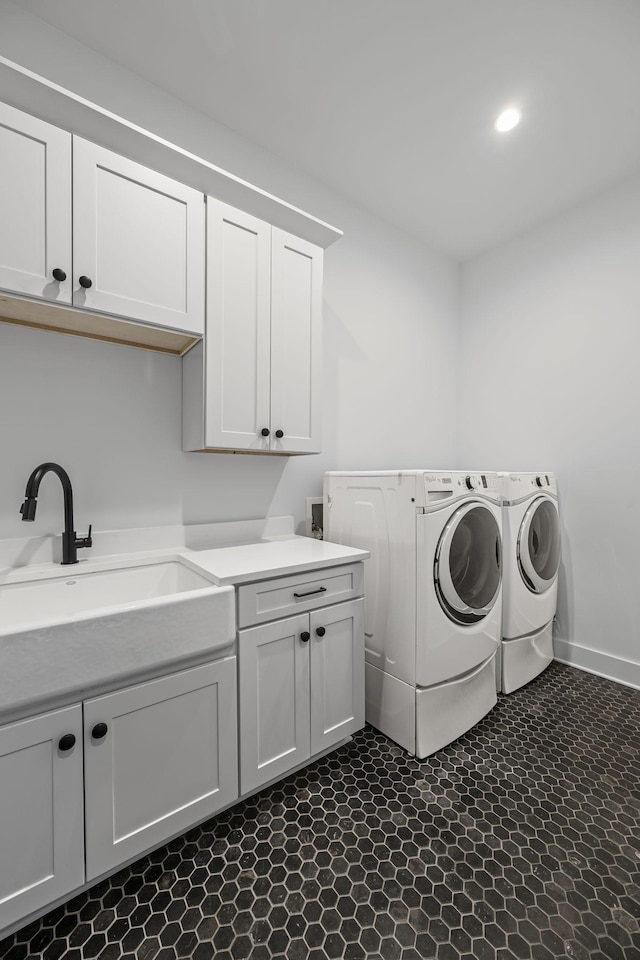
x,y
392,102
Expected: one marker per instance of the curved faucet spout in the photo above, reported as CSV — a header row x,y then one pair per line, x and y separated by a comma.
x,y
70,543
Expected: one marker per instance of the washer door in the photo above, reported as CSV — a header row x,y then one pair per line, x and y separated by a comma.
x,y
539,545
468,564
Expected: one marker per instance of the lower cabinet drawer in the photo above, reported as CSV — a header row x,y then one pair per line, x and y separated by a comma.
x,y
158,757
286,596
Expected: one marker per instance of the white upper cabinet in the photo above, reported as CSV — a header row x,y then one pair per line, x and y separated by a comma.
x,y
255,385
138,241
237,343
35,207
296,343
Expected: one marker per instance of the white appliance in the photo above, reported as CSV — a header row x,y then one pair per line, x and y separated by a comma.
x,y
432,596
531,536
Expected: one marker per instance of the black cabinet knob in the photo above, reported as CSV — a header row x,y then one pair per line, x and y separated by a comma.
x,y
85,282
67,742
99,731
279,434
59,275
305,636
265,431
320,631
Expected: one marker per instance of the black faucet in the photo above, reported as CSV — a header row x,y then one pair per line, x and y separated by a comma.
x,y
70,543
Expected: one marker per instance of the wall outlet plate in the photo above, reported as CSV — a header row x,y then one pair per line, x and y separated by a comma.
x,y
314,517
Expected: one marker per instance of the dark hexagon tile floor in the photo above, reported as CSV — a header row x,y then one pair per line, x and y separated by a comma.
x,y
521,841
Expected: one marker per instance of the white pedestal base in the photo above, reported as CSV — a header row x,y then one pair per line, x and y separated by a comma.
x,y
525,657
423,720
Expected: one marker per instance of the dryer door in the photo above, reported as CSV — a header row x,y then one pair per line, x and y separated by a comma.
x,y
468,564
538,547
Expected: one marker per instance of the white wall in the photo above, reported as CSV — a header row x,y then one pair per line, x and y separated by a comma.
x,y
111,415
550,380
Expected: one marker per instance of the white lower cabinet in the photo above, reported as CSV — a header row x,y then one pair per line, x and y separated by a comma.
x,y
41,812
89,787
159,757
301,689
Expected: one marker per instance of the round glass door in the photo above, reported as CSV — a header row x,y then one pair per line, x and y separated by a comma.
x,y
468,564
539,545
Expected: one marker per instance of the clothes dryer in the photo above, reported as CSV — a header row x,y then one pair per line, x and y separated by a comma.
x,y
531,536
432,596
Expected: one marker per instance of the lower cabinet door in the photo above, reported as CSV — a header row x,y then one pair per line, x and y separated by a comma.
x,y
41,812
274,699
159,757
337,673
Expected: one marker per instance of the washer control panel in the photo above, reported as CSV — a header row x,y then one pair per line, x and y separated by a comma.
x,y
519,485
460,483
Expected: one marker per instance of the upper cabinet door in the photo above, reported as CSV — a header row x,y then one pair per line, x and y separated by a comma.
x,y
35,206
296,344
237,360
138,241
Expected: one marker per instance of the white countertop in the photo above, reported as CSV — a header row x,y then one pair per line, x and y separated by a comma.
x,y
271,558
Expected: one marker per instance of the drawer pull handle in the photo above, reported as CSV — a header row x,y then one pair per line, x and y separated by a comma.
x,y
305,636
99,731
310,593
320,631
67,742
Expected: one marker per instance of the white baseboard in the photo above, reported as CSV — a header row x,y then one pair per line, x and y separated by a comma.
x,y
604,665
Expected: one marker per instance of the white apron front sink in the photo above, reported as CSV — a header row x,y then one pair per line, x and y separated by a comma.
x,y
86,627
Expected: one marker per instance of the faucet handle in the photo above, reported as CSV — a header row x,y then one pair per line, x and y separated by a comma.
x,y
85,541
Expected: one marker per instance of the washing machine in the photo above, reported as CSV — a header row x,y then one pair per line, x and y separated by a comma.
x,y
433,596
531,537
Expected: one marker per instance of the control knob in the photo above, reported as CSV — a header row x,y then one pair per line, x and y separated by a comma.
x,y
540,481
469,483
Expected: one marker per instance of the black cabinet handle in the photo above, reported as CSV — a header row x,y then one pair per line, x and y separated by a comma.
x,y
85,282
99,731
310,593
305,636
320,631
67,742
59,275
265,431
279,434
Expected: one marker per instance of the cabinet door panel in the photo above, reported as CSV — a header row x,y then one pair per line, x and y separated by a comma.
x,y
274,700
41,813
296,344
139,237
168,760
337,671
237,362
35,206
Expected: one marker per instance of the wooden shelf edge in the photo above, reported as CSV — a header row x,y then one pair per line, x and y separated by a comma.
x,y
58,318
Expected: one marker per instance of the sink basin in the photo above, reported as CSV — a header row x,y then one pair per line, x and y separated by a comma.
x,y
71,632
71,594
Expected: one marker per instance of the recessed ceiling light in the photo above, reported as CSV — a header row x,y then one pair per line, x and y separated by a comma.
x,y
507,120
